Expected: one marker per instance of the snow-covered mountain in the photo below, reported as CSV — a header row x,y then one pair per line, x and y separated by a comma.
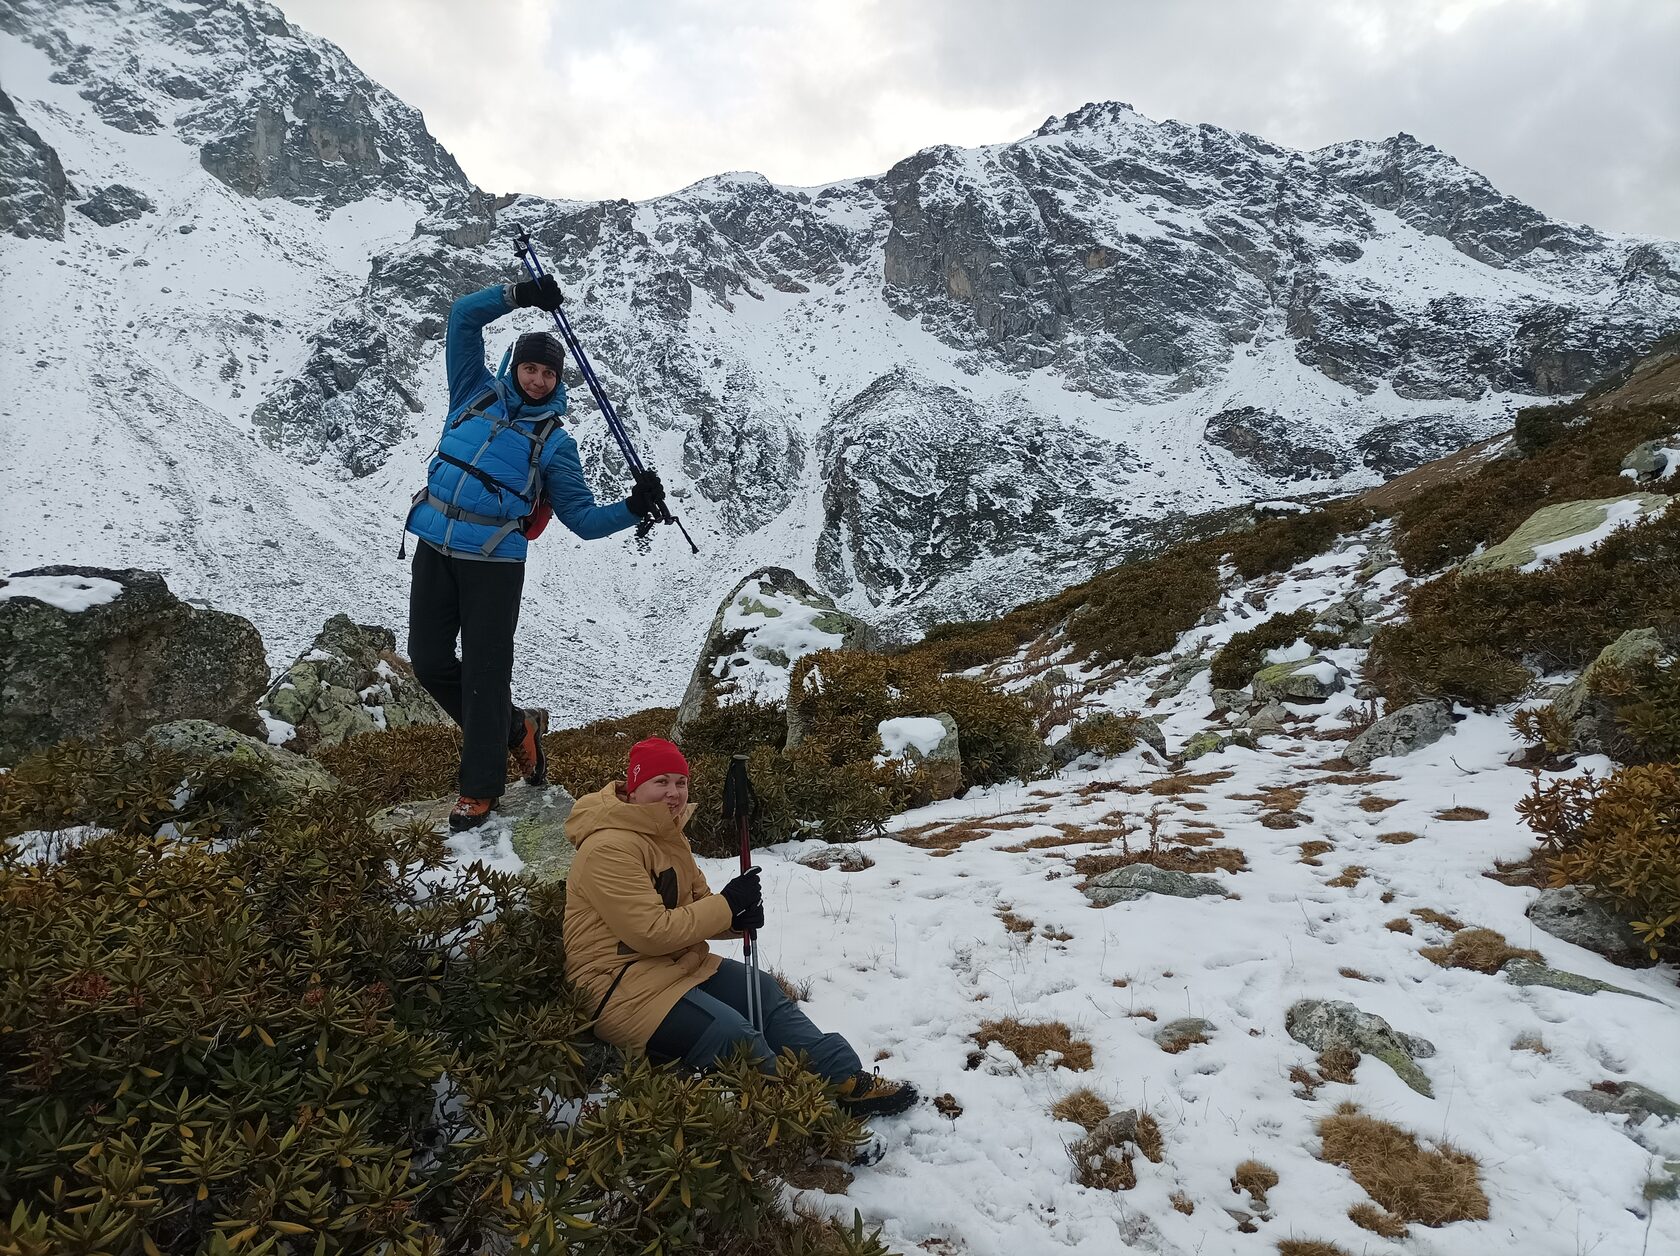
x,y
938,392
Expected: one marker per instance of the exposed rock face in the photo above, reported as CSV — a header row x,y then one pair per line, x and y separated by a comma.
x,y
296,775
1276,445
1552,527
138,657
1569,914
1397,446
765,624
351,680
1401,732
1324,1023
32,179
114,204
1591,716
1128,884
532,823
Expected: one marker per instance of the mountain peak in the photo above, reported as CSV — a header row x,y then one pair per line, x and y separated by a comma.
x,y
1093,115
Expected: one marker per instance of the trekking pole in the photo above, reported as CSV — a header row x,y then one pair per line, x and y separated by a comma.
x,y
739,802
661,512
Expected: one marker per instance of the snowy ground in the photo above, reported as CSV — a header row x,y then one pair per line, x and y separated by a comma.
x,y
908,956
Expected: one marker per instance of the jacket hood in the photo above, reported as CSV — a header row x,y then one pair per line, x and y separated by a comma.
x,y
514,403
607,809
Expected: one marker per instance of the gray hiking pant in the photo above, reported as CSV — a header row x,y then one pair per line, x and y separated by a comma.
x,y
710,1020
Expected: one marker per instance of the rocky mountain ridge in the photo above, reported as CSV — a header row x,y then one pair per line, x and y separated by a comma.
x,y
940,391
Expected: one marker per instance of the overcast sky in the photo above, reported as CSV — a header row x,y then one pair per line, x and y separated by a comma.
x,y
1572,105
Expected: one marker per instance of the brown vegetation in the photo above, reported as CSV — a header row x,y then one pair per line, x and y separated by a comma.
x,y
1432,1186
1030,1040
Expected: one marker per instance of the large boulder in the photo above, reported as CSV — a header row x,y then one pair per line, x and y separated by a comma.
x,y
1128,884
929,744
1528,972
1563,527
296,776
1653,460
1303,680
1401,732
531,821
1568,913
1323,1024
769,621
89,651
351,680
1590,715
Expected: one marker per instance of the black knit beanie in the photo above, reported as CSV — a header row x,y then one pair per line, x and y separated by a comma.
x,y
539,346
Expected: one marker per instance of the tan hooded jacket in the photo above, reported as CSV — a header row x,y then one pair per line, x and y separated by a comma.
x,y
638,913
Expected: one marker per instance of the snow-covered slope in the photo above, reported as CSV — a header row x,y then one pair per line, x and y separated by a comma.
x,y
937,392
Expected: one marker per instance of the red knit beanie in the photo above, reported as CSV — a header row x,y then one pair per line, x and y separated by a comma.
x,y
651,758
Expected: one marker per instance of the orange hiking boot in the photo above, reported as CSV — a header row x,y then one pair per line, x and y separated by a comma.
x,y
528,751
469,813
870,1094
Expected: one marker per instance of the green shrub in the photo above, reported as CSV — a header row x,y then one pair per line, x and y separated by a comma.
x,y
738,728
1568,459
1621,836
1108,733
581,760
399,764
1235,662
1143,608
1477,636
308,1035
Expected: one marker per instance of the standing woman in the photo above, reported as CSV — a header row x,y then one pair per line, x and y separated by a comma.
x,y
502,455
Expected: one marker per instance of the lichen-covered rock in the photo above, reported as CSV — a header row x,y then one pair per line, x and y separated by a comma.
x,y
1176,1035
844,858
1568,913
1590,716
1128,884
1303,680
1325,1023
1527,972
351,680
1268,719
1562,527
1178,677
534,821
90,651
768,622
1401,732
1228,700
296,775
1630,1099
1203,743
1654,459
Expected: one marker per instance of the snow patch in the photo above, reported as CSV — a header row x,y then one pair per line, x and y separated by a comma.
x,y
68,593
1289,653
279,732
921,733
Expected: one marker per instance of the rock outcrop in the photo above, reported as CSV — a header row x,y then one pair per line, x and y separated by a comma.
x,y
351,680
90,652
1561,528
1400,733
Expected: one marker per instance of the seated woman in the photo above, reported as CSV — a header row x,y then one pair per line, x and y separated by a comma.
x,y
638,914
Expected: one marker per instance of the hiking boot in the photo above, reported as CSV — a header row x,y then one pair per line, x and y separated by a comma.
x,y
528,750
469,813
870,1094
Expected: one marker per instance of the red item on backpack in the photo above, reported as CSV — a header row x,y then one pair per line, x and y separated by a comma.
x,y
537,520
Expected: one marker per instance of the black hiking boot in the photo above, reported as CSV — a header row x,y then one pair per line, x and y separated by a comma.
x,y
870,1094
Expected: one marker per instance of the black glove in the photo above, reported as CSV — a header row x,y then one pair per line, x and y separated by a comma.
x,y
747,919
648,495
543,293
743,894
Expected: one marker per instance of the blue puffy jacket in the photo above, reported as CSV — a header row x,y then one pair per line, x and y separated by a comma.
x,y
480,484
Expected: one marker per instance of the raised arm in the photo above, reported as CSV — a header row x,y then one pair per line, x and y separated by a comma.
x,y
464,341
574,505
621,892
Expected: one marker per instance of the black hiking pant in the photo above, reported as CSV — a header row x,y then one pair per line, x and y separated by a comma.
x,y
478,602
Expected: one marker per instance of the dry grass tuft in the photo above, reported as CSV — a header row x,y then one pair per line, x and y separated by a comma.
x,y
1276,797
1149,1139
1462,813
1282,820
1310,851
1351,778
1078,837
1349,877
1181,1203
1430,916
1084,1107
821,1175
1170,858
1530,1041
1174,786
1056,935
1354,974
1432,1186
1308,1247
1378,1221
1338,1064
1031,1040
1481,950
1373,804
942,836
1182,1042
798,991
1398,839
1399,925
1256,1179
1014,923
